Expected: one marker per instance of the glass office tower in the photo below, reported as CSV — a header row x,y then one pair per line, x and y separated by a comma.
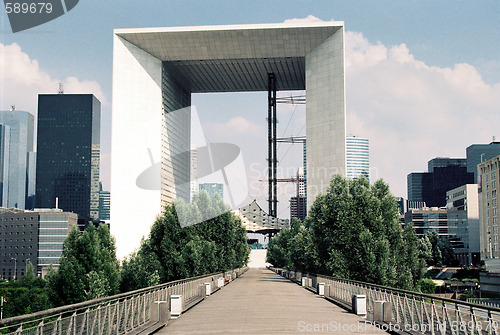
x,y
357,157
16,137
68,150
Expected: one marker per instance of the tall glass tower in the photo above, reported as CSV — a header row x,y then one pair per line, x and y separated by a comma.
x,y
357,157
17,159
68,151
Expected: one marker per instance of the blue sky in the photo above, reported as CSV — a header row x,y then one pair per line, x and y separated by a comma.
x,y
422,77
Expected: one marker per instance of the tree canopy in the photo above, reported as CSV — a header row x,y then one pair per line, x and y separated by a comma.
x,y
88,267
352,232
204,246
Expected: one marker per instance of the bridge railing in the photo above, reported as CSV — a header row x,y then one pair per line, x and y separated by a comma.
x,y
405,310
118,314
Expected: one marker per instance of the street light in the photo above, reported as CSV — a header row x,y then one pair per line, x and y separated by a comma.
x,y
15,267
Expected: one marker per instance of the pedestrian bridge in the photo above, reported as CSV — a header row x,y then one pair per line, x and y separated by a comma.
x,y
262,301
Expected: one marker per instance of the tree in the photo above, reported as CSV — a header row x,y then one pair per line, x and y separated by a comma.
x,y
442,250
208,242
88,267
352,232
25,296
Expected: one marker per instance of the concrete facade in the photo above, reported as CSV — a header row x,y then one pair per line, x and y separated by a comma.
x,y
155,71
488,182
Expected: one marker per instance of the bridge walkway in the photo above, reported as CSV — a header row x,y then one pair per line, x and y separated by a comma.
x,y
261,302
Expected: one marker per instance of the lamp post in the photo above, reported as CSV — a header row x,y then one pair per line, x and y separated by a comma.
x,y
15,267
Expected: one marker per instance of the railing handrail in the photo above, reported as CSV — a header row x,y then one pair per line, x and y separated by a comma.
x,y
423,295
94,302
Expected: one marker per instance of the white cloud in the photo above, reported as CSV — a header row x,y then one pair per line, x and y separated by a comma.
x,y
234,127
412,112
308,19
22,80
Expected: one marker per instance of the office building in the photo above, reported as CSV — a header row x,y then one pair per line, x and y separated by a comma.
x,y
157,70
17,142
255,219
443,175
34,237
429,219
194,171
18,241
104,204
463,213
212,189
357,157
68,150
488,178
4,163
477,153
298,203
54,226
298,208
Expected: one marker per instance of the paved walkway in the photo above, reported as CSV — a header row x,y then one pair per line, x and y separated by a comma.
x,y
261,302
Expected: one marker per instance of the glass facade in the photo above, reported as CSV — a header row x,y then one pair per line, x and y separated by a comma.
x,y
19,146
357,157
212,189
68,150
431,187
478,153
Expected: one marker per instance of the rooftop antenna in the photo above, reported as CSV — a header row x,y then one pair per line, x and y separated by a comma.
x,y
494,138
61,89
12,108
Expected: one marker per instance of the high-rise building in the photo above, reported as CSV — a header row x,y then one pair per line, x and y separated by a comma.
x,y
18,179
443,175
463,213
68,150
194,171
104,203
357,157
4,163
489,183
298,203
212,189
477,153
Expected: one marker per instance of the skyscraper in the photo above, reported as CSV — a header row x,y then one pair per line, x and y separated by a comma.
x,y
16,138
104,203
478,153
357,157
444,174
194,171
68,150
489,209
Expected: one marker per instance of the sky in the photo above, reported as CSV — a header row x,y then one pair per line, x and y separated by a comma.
x,y
422,76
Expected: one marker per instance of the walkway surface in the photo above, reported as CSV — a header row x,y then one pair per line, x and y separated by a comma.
x,y
261,302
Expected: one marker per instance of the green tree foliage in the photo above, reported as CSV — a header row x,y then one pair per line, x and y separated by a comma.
x,y
209,243
352,232
426,285
442,251
88,267
25,296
